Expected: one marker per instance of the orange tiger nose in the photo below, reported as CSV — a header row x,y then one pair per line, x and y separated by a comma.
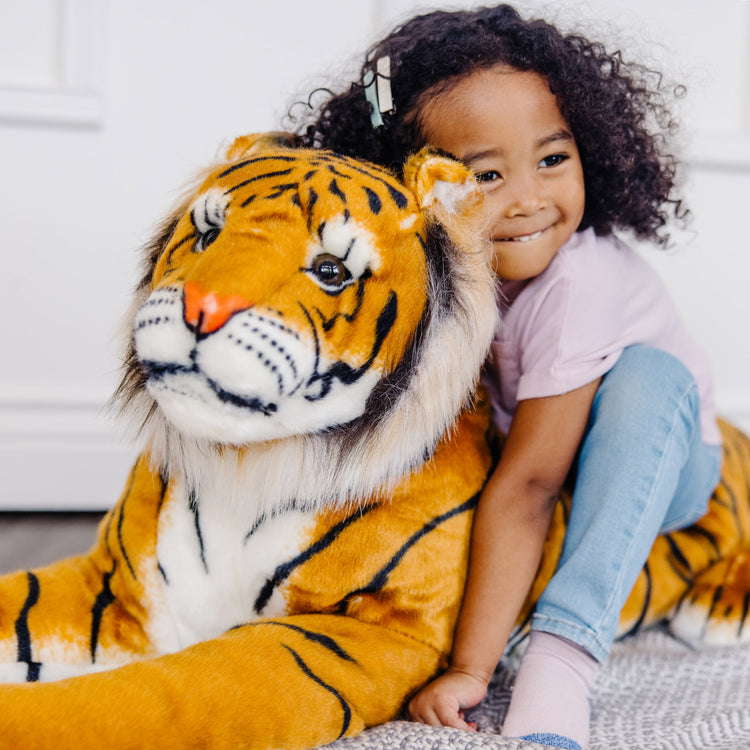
x,y
206,312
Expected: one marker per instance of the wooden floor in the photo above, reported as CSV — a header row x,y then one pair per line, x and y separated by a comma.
x,y
29,540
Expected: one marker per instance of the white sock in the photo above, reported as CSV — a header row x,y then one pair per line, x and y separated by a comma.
x,y
550,699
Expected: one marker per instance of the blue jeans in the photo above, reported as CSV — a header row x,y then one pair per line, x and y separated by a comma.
x,y
642,469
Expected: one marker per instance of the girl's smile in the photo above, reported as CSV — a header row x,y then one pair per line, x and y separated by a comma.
x,y
507,126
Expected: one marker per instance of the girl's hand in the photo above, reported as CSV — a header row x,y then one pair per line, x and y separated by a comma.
x,y
442,702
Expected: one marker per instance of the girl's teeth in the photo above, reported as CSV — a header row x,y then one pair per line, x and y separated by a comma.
x,y
528,237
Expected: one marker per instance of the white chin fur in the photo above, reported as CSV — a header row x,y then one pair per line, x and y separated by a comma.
x,y
196,412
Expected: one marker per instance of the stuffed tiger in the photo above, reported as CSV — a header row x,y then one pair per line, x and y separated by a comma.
x,y
285,565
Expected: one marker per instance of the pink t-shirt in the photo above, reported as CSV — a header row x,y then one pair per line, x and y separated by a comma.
x,y
569,325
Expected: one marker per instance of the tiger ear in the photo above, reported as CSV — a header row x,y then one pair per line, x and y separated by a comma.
x,y
445,189
245,145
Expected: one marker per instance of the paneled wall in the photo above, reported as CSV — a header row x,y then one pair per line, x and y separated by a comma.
x,y
108,106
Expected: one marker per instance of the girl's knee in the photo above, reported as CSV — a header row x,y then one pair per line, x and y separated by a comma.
x,y
643,373
644,383
652,367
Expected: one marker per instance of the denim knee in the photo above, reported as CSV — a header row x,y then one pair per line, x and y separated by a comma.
x,y
645,383
642,369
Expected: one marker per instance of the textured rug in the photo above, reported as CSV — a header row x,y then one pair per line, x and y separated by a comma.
x,y
654,693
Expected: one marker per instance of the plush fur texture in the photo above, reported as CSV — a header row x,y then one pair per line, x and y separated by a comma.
x,y
286,563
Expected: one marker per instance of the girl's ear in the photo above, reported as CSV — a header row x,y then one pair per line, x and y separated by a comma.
x,y
441,184
254,143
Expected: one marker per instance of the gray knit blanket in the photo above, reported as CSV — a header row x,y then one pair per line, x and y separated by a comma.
x,y
653,693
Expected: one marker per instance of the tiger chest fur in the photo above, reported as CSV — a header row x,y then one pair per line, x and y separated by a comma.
x,y
215,569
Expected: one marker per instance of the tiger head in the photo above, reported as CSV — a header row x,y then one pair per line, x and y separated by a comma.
x,y
298,294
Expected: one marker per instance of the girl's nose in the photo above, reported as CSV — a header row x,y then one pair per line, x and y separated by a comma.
x,y
526,197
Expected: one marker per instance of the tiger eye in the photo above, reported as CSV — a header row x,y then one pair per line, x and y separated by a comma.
x,y
206,239
329,270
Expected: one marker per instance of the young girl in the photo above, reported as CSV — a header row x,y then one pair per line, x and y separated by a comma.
x,y
590,365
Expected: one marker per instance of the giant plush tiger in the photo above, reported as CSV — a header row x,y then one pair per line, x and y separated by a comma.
x,y
285,565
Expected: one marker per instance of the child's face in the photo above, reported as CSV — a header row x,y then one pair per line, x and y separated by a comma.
x,y
506,125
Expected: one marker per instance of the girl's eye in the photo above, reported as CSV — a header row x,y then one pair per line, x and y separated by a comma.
x,y
553,160
489,176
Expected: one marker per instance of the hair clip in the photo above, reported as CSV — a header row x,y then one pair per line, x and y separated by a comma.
x,y
378,90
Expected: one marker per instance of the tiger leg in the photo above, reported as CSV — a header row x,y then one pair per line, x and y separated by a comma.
x,y
699,577
46,621
85,613
296,682
715,609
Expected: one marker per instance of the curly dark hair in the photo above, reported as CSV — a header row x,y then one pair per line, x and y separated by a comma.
x,y
619,112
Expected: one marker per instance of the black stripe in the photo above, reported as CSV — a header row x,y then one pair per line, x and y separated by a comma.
x,y
647,600
255,160
697,530
745,608
381,176
291,506
110,519
732,498
23,635
119,535
311,635
179,244
103,599
381,577
677,552
344,706
193,503
312,200
281,189
349,317
284,570
397,196
278,173
164,480
388,390
334,189
343,372
684,577
714,601
373,200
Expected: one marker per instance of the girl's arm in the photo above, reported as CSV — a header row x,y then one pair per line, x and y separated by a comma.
x,y
510,527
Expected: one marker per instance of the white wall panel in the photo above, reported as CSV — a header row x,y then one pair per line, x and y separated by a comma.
x,y
51,61
28,43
